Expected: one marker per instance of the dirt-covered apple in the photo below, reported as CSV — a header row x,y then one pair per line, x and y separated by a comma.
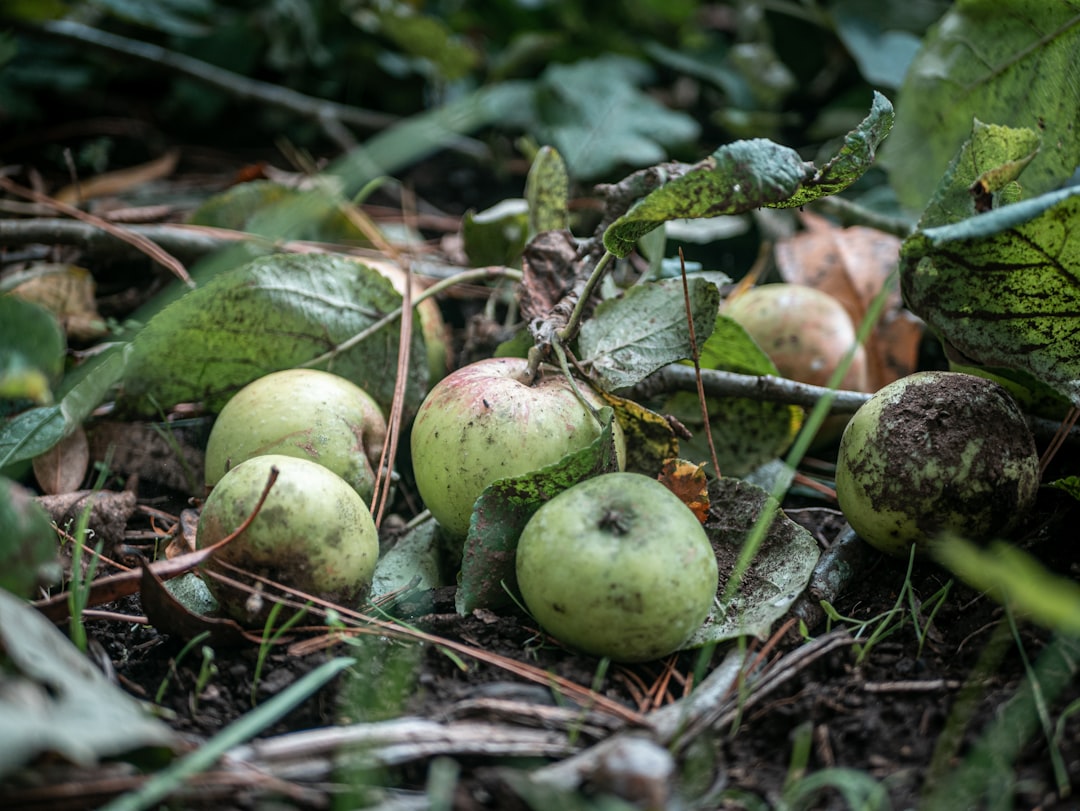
x,y
306,413
617,566
936,451
485,422
314,534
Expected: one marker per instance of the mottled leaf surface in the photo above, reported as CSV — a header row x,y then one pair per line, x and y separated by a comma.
x,y
776,578
629,338
746,175
505,507
547,190
1003,288
276,312
1009,62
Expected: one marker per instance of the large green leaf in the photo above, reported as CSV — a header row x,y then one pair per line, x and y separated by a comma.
x,y
595,115
1010,62
505,507
746,175
1003,288
56,701
746,433
631,337
27,541
276,312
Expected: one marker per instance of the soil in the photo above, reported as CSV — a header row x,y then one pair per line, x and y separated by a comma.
x,y
906,707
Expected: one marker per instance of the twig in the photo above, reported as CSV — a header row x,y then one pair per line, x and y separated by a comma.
x,y
330,115
140,242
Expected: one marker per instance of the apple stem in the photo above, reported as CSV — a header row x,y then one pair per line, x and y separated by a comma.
x,y
573,324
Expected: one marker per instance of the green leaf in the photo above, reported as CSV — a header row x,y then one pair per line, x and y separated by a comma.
x,y
547,190
496,236
775,579
505,507
27,541
32,346
415,556
593,113
629,338
987,163
277,312
56,701
1070,485
1003,288
1014,577
746,433
1010,62
746,175
35,431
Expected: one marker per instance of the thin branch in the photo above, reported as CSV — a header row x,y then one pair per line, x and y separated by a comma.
x,y
330,115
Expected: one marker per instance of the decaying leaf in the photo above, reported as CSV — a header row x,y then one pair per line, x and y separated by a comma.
x,y
688,481
780,570
63,467
853,265
67,291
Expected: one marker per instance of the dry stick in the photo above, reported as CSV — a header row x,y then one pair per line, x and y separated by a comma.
x,y
154,251
1059,438
366,624
330,115
695,356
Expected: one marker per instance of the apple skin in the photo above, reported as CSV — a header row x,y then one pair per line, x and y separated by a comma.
x,y
936,451
314,533
483,422
804,331
617,566
306,413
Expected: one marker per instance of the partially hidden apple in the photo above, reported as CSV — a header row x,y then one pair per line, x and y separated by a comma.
x,y
313,533
485,422
306,413
617,566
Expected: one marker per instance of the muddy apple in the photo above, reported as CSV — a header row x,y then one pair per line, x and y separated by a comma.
x,y
936,451
485,422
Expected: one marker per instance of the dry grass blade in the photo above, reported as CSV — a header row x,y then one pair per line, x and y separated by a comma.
x,y
151,249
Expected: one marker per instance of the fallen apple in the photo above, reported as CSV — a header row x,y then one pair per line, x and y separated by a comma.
x,y
804,331
485,422
617,566
936,451
304,413
314,534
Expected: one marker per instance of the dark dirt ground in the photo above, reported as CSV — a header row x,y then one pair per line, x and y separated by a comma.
x,y
884,714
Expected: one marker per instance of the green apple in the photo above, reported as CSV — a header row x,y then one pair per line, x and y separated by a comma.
x,y
617,566
485,422
936,451
314,533
304,413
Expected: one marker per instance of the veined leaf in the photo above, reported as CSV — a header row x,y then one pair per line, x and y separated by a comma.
x,y
276,312
745,175
1011,62
631,337
1003,288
